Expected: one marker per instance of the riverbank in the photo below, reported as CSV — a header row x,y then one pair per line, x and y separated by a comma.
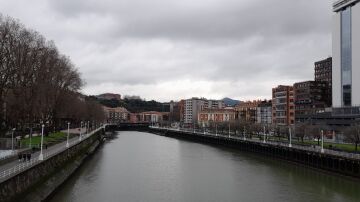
x,y
48,188
347,165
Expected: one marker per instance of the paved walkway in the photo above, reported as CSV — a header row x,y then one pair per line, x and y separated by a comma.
x,y
16,166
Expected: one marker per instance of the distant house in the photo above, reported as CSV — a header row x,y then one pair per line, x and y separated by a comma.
x,y
116,115
149,117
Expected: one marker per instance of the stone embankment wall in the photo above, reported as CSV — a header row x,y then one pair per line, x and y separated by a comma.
x,y
40,181
326,162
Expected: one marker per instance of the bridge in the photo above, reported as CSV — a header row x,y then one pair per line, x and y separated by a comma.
x,y
127,126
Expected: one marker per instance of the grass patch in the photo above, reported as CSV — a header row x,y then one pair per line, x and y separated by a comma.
x,y
327,145
52,138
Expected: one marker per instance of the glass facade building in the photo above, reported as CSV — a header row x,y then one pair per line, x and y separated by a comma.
x,y
346,55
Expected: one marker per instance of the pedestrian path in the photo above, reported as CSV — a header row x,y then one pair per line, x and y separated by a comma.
x,y
14,167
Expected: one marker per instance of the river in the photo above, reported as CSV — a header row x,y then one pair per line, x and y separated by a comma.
x,y
139,167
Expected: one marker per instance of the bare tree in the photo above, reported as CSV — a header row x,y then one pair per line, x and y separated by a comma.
x,y
38,84
352,134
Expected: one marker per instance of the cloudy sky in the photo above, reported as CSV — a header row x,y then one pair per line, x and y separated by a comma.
x,y
171,49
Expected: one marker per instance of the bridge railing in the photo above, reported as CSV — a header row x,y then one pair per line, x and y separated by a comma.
x,y
275,143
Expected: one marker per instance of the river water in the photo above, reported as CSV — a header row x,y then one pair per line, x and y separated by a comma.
x,y
137,166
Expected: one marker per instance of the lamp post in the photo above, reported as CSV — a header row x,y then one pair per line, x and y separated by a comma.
x,y
30,137
322,141
68,133
41,156
264,141
88,126
12,140
81,124
229,130
216,134
290,145
244,133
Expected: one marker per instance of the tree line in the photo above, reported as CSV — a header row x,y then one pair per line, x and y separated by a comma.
x,y
38,84
134,105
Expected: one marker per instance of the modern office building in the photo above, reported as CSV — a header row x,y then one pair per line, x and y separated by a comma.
x,y
346,54
283,108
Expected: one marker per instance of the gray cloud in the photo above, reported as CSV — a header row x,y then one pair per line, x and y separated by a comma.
x,y
175,49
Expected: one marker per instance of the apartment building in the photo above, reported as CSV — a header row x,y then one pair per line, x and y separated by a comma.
x,y
207,116
264,113
283,109
247,111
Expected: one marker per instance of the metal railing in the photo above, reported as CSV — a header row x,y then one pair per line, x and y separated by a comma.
x,y
275,143
56,149
8,154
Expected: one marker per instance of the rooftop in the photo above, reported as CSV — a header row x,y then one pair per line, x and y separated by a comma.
x,y
338,5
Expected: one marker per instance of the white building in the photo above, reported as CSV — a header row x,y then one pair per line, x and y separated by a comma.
x,y
194,105
346,53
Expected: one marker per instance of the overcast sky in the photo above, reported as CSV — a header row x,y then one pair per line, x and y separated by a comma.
x,y
173,49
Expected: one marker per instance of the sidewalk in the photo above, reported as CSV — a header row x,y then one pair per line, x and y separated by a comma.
x,y
16,166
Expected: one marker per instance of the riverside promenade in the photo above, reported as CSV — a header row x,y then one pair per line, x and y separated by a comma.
x,y
14,167
344,163
274,143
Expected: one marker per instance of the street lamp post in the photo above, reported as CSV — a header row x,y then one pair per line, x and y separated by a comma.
x,y
88,125
41,156
68,133
244,133
264,135
216,134
81,124
290,145
12,140
322,141
30,137
229,130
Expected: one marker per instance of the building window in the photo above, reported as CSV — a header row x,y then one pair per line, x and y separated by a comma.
x,y
346,56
